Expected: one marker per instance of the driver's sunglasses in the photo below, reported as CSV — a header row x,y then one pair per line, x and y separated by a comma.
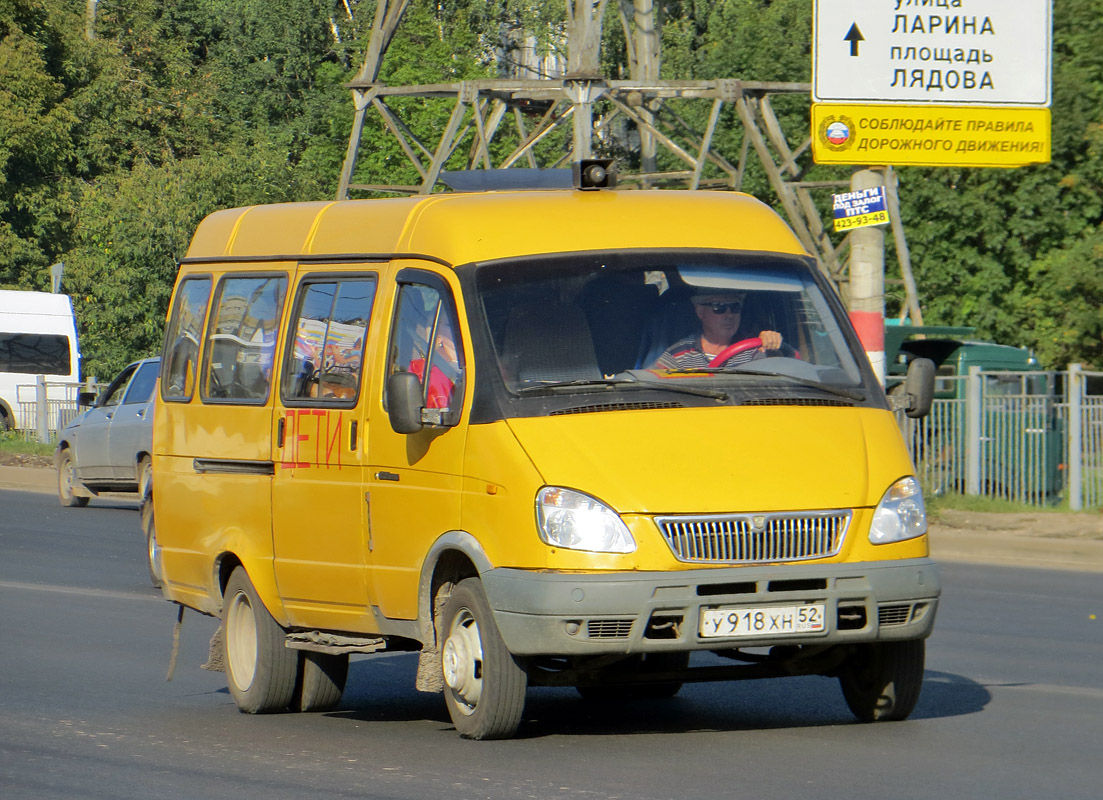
x,y
734,307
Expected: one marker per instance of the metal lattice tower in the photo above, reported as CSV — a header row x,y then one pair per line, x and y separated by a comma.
x,y
487,111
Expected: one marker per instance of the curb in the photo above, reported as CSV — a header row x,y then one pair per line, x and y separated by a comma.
x,y
948,544
1009,550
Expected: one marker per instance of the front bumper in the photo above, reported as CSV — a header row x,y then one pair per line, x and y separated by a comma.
x,y
565,614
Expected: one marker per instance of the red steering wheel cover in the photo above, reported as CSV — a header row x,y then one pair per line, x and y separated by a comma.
x,y
735,348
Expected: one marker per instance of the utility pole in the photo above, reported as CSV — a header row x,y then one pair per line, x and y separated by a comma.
x,y
642,21
584,84
867,278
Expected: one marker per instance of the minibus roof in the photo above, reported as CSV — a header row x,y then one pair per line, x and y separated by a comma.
x,y
458,228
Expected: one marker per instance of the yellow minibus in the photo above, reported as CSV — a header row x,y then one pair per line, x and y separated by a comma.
x,y
542,438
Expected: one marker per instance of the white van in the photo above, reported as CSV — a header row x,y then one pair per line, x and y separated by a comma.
x,y
38,336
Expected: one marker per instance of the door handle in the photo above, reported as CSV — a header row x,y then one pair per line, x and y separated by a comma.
x,y
386,476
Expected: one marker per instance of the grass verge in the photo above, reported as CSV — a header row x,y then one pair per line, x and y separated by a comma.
x,y
990,505
14,444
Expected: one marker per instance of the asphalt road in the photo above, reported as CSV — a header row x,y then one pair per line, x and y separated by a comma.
x,y
1012,706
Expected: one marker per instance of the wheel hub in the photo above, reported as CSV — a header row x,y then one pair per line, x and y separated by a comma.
x,y
461,661
241,641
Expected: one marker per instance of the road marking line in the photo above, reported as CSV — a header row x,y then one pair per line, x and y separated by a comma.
x,y
77,590
1050,688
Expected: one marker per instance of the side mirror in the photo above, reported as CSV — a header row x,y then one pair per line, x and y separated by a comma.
x,y
919,387
404,402
86,398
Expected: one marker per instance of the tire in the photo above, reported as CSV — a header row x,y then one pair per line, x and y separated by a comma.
x,y
881,681
649,662
321,683
149,529
144,474
260,672
65,481
484,686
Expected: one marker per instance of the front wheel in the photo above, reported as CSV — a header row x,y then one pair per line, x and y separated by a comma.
x,y
260,671
484,686
881,681
65,482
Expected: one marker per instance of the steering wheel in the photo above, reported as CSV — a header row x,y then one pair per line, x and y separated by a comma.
x,y
746,344
735,348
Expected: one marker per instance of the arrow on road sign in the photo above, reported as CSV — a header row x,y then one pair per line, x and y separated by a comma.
x,y
854,36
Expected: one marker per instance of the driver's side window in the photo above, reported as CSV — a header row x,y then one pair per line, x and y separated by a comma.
x,y
114,394
425,341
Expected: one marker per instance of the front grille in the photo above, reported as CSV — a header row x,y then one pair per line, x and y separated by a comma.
x,y
894,615
755,538
608,628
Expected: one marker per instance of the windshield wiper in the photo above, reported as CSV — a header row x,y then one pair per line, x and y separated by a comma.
x,y
857,397
620,383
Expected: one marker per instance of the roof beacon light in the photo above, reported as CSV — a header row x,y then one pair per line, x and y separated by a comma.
x,y
594,173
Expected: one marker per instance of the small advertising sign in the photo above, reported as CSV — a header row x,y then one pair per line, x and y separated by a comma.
x,y
860,208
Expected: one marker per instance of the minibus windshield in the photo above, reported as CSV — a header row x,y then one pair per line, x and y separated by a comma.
x,y
700,321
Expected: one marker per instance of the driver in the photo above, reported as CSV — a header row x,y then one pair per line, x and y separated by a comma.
x,y
720,313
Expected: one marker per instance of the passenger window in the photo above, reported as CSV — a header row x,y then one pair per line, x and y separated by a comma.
x,y
182,340
241,339
325,361
426,330
141,388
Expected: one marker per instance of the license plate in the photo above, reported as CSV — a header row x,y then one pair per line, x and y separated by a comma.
x,y
734,621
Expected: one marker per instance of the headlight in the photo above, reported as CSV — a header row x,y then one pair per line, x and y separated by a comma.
x,y
576,521
900,515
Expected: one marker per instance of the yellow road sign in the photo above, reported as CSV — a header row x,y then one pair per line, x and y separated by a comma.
x,y
930,136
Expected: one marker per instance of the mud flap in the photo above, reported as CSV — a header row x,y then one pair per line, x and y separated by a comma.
x,y
430,676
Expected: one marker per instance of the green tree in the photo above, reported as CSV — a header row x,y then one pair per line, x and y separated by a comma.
x,y
145,97
134,227
37,189
1000,249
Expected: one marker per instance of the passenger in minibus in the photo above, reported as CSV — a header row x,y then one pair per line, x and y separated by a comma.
x,y
444,369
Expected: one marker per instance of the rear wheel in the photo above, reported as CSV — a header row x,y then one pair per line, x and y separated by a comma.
x,y
321,681
881,681
149,528
484,686
66,481
260,671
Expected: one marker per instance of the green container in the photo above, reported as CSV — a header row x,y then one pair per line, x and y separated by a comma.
x,y
1022,435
